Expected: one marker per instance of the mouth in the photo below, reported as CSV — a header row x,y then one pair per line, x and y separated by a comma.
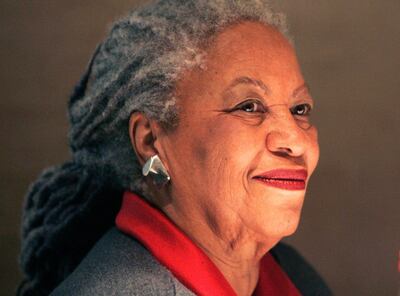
x,y
284,179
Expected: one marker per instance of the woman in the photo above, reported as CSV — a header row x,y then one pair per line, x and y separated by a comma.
x,y
197,115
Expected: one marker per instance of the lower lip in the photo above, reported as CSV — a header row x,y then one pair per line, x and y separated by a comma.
x,y
284,184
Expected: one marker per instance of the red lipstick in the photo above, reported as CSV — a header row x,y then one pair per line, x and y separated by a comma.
x,y
284,179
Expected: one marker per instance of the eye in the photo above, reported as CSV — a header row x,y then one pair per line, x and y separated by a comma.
x,y
251,106
301,110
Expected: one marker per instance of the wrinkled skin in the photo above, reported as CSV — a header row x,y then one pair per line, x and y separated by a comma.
x,y
245,112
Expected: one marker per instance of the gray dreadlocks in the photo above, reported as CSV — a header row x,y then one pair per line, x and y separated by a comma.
x,y
135,69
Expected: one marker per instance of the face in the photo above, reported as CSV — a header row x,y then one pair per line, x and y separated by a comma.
x,y
243,152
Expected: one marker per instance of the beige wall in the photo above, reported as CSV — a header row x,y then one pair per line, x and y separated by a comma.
x,y
350,55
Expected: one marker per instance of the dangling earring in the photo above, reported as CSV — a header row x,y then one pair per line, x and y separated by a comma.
x,y
156,168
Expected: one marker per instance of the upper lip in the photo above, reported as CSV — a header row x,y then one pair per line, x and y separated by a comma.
x,y
285,174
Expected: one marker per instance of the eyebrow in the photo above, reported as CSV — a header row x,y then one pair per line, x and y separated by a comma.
x,y
301,88
248,80
262,85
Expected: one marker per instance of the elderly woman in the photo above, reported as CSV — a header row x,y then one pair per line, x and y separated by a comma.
x,y
192,150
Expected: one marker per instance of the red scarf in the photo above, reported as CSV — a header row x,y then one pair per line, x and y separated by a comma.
x,y
187,262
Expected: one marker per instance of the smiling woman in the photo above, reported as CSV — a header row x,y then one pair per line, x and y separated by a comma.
x,y
218,123
238,127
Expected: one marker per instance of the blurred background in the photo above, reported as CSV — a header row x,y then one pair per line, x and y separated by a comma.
x,y
349,50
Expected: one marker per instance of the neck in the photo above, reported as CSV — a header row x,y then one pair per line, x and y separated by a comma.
x,y
241,275
234,250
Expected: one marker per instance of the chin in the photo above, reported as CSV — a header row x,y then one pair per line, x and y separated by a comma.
x,y
285,226
291,229
291,225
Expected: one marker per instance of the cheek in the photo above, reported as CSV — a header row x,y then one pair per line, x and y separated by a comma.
x,y
313,149
225,146
223,157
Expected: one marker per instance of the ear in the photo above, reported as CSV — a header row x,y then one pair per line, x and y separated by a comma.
x,y
143,133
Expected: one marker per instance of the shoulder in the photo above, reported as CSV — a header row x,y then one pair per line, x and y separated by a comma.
x,y
302,274
119,265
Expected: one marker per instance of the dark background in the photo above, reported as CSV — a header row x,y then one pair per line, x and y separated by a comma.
x,y
349,51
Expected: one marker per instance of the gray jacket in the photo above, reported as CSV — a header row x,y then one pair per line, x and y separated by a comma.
x,y
120,265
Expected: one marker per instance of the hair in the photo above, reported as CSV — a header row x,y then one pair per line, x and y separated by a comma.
x,y
70,206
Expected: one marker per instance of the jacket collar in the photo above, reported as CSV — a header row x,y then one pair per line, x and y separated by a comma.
x,y
187,262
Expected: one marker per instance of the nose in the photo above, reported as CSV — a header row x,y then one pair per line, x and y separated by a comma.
x,y
286,137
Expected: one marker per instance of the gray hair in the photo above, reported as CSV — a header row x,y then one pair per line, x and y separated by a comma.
x,y
134,69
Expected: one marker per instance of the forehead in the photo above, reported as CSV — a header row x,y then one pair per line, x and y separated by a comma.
x,y
246,35
247,49
252,45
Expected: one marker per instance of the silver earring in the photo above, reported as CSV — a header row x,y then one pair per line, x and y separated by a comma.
x,y
157,170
